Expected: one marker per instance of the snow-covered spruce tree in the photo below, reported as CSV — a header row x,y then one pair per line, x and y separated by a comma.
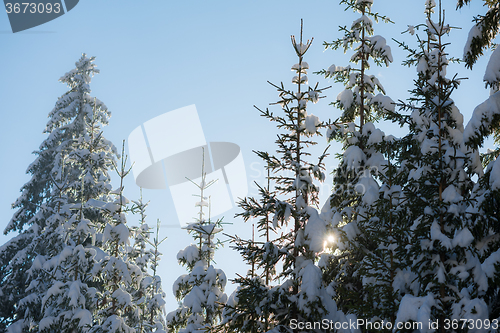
x,y
155,297
297,293
118,275
248,308
485,207
42,201
451,280
201,291
381,242
486,122
361,213
141,233
141,257
63,277
149,295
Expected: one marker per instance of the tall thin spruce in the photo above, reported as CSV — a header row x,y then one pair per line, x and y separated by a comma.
x,y
296,291
360,218
200,292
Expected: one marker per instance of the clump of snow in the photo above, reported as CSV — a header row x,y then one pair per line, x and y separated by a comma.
x,y
301,68
436,234
451,195
482,116
492,74
463,238
380,47
301,80
315,230
363,19
353,157
84,316
331,70
416,309
45,323
429,146
403,279
122,297
122,233
310,288
385,102
311,123
489,263
375,137
346,98
422,65
473,310
369,188
300,203
190,254
351,230
474,32
53,291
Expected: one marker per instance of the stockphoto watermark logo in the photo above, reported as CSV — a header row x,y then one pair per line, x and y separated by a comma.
x,y
173,146
24,15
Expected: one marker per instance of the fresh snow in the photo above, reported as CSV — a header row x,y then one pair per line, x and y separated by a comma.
x,y
311,123
417,309
315,230
482,116
346,98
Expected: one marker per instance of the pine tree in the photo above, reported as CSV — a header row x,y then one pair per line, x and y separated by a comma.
x,y
141,257
362,213
485,122
296,293
68,304
54,183
117,274
451,281
155,299
201,291
149,296
483,214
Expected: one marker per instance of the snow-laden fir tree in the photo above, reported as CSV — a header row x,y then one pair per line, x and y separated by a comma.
x,y
444,253
141,233
200,291
295,292
155,297
117,274
485,207
141,256
54,183
362,213
485,204
149,295
62,277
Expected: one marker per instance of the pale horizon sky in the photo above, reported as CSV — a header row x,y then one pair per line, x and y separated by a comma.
x,y
157,56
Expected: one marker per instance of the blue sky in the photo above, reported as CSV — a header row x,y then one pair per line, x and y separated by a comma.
x,y
158,56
